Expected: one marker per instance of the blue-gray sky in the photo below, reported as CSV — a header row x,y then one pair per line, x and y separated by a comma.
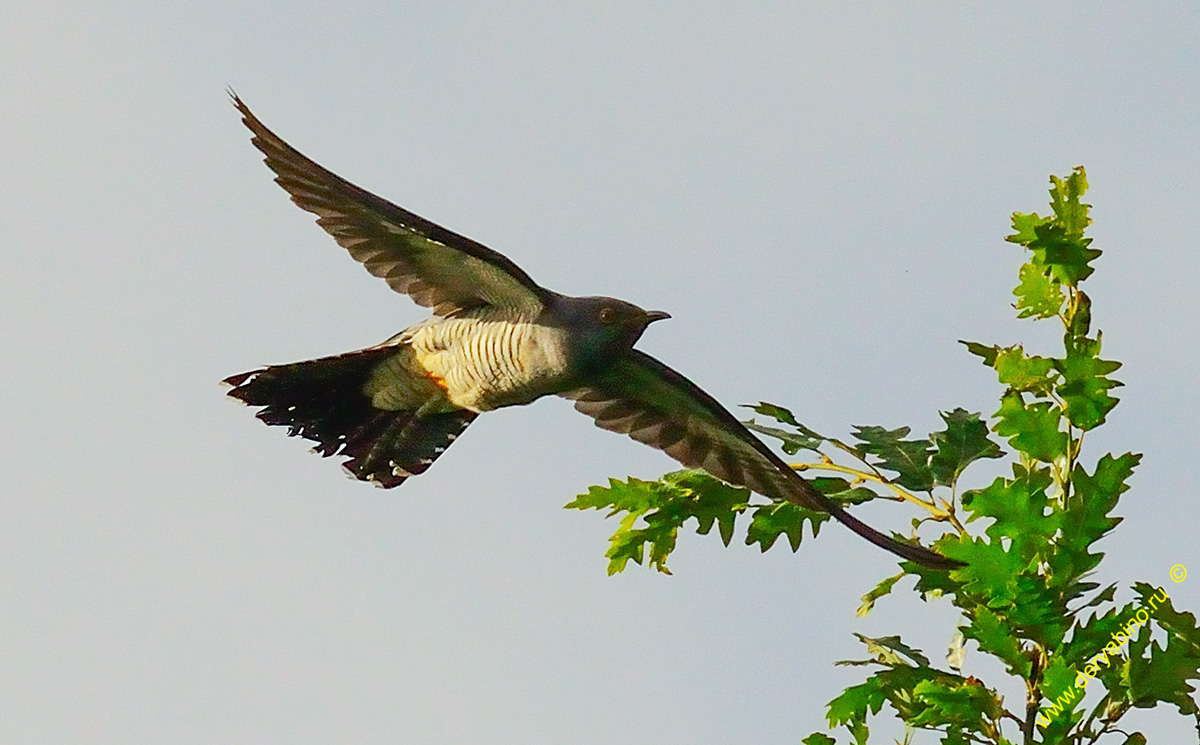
x,y
818,194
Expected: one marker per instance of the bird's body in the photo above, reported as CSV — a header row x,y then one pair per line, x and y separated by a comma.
x,y
496,339
480,361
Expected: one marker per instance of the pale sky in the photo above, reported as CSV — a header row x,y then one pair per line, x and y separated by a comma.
x,y
817,194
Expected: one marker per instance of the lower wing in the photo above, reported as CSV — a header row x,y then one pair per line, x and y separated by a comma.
x,y
643,398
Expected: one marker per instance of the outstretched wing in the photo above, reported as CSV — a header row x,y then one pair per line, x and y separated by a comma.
x,y
438,268
643,398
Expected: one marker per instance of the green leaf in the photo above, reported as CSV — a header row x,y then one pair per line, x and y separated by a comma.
x,y
784,416
1022,373
1084,388
890,685
1061,243
631,543
1164,674
655,510
1025,226
982,350
778,413
856,702
1089,639
908,458
1083,346
1065,194
934,583
802,439
1105,596
840,490
1058,675
1087,510
1040,610
922,697
769,521
634,497
1057,243
1096,495
818,738
1034,429
990,575
1060,696
958,737
1067,255
964,441
620,496
887,650
859,731
1182,625
881,589
1038,295
792,442
956,703
1019,509
708,500
995,636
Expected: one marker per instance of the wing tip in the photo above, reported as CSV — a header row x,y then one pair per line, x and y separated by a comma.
x,y
925,557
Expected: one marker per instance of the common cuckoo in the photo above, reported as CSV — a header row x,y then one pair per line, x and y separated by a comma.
x,y
496,338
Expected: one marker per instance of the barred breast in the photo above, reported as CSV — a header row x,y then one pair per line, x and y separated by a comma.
x,y
490,360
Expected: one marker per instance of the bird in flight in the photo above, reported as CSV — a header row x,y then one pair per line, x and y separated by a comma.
x,y
496,338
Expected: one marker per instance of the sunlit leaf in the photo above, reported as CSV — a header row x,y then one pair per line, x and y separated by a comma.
x,y
655,510
1038,295
1019,508
1024,373
887,649
1034,428
995,636
770,521
881,589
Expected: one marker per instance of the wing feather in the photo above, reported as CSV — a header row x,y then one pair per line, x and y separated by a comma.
x,y
641,397
438,268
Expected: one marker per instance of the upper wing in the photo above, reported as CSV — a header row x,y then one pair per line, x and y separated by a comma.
x,y
438,268
643,398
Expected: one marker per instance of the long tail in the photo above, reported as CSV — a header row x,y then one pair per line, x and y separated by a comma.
x,y
323,400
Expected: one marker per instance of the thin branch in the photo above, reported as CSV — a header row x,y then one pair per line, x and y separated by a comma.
x,y
1031,710
860,476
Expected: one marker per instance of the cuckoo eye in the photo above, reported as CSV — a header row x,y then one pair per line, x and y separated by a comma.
x,y
607,315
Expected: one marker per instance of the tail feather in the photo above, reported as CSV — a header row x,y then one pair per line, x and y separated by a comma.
x,y
369,432
323,400
407,446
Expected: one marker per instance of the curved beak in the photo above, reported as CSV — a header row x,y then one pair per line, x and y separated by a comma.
x,y
656,315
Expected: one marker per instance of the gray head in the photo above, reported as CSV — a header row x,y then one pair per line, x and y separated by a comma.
x,y
602,328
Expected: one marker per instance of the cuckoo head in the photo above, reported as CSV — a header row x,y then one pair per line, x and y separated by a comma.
x,y
602,328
